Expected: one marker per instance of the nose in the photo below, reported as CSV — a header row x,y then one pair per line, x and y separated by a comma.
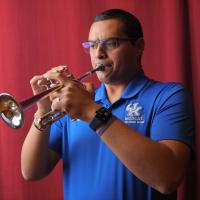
x,y
100,52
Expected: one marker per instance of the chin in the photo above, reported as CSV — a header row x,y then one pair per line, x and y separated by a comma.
x,y
103,78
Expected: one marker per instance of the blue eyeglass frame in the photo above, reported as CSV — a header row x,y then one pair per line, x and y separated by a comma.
x,y
89,44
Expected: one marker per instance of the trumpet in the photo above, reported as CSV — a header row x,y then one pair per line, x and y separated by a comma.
x,y
12,112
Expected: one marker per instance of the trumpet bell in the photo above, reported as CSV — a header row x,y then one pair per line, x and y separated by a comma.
x,y
11,111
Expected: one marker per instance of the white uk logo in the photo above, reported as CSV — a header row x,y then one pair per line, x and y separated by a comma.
x,y
134,113
133,109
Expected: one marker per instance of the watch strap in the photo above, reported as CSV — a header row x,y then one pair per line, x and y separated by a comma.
x,y
38,123
102,116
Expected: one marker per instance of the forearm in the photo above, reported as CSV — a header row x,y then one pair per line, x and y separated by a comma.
x,y
35,154
154,163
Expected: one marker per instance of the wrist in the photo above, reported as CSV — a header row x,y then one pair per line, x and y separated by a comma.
x,y
101,120
100,131
41,112
43,106
91,111
40,124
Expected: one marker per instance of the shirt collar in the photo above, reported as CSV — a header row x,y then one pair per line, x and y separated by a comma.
x,y
131,90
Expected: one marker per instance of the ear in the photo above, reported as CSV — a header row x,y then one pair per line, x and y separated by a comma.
x,y
139,45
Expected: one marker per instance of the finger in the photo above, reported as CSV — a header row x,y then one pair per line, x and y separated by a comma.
x,y
57,76
63,70
59,69
55,95
56,104
89,87
70,76
59,106
35,81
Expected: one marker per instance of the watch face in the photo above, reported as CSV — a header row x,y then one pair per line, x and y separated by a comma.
x,y
102,117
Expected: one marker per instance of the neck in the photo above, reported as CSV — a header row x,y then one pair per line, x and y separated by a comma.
x,y
115,88
114,91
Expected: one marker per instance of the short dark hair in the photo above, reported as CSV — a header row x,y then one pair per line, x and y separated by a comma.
x,y
132,26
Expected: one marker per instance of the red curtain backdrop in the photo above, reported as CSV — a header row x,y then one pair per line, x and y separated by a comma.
x,y
36,35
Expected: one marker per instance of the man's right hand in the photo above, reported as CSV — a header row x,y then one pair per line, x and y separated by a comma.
x,y
40,83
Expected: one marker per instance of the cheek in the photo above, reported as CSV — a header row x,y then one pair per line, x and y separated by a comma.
x,y
129,58
125,62
119,59
92,60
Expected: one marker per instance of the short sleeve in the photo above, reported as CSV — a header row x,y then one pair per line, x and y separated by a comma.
x,y
173,117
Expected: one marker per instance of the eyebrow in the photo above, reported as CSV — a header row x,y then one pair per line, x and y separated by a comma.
x,y
103,39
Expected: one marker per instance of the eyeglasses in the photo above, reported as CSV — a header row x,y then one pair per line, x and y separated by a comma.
x,y
107,44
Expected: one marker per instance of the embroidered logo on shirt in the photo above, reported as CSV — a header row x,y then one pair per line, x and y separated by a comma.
x,y
134,114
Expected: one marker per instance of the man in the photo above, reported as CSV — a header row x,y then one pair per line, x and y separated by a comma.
x,y
132,141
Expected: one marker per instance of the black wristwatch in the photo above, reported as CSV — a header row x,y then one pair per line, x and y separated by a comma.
x,y
102,116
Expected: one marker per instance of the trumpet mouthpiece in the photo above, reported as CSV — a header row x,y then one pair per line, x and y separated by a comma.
x,y
100,67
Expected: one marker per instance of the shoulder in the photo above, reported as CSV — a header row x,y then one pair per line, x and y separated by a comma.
x,y
164,87
165,90
161,96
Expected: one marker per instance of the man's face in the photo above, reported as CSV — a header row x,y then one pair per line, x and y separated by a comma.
x,y
121,62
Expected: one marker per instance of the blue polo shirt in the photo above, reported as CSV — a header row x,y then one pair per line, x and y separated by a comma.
x,y
91,171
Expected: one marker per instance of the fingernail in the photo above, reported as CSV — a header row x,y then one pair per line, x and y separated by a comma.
x,y
64,68
53,85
